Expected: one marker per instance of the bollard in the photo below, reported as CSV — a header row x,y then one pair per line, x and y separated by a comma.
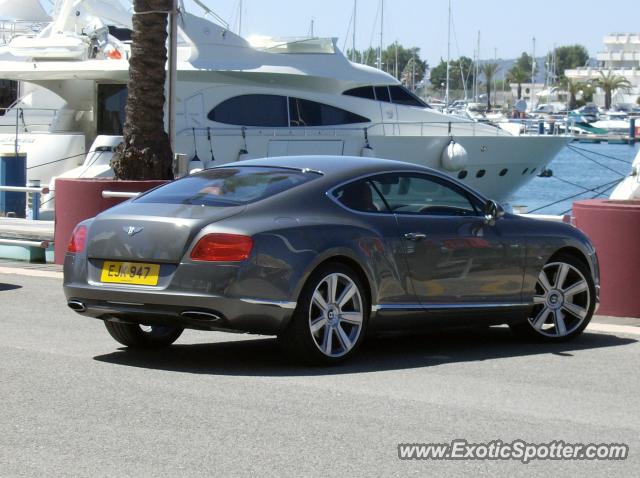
x,y
35,199
540,127
13,172
632,130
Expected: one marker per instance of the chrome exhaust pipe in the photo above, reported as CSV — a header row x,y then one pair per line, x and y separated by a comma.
x,y
199,315
76,305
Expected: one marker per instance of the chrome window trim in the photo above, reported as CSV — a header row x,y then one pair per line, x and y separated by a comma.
x,y
329,193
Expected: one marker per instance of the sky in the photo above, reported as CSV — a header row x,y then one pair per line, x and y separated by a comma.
x,y
507,28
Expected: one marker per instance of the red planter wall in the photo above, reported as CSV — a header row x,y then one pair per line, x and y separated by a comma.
x,y
614,229
80,199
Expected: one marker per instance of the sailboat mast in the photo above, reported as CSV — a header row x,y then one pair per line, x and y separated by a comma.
x,y
446,94
240,20
353,38
381,24
475,80
533,70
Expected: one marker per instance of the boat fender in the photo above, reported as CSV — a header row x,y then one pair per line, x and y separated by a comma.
x,y
454,157
629,187
368,152
243,155
195,166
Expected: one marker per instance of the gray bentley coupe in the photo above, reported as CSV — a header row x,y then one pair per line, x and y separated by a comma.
x,y
320,250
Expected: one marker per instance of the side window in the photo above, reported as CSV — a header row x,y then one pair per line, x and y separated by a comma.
x,y
252,110
311,113
361,92
424,195
360,196
382,94
400,95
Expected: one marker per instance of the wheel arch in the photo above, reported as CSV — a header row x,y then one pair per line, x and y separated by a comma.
x,y
348,261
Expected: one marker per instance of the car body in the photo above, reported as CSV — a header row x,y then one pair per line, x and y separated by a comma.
x,y
429,250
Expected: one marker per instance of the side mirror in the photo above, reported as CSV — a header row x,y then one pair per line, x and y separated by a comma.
x,y
492,211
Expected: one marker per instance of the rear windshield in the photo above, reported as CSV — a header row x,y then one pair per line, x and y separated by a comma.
x,y
228,186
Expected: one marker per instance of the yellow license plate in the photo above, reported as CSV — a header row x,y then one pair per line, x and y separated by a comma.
x,y
130,273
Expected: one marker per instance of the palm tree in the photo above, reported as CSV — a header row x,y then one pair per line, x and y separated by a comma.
x,y
518,75
145,152
572,87
489,70
609,83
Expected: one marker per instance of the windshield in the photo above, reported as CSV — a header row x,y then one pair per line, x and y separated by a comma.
x,y
228,186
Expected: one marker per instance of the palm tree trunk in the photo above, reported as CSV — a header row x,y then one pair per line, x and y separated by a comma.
x,y
519,91
145,152
607,98
488,95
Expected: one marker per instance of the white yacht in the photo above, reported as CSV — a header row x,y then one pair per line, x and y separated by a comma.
x,y
238,99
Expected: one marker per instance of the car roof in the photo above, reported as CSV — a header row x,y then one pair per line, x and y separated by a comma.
x,y
335,165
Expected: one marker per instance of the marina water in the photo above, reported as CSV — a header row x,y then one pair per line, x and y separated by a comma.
x,y
574,170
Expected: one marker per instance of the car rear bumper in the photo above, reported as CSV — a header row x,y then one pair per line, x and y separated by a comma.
x,y
194,311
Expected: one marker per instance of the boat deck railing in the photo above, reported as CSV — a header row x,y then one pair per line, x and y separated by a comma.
x,y
387,128
19,119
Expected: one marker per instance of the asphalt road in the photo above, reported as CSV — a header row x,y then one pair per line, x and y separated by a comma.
x,y
72,403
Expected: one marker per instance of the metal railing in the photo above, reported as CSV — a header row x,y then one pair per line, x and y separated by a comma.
x,y
387,128
34,190
119,194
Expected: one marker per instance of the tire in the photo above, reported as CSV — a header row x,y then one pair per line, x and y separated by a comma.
x,y
331,317
564,301
143,337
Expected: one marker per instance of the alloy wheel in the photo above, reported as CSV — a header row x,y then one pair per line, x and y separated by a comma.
x,y
562,300
336,315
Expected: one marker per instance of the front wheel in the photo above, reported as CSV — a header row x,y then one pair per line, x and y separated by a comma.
x,y
330,319
143,336
564,301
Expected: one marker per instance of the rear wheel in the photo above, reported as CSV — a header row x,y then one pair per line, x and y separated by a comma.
x,y
564,301
143,336
330,319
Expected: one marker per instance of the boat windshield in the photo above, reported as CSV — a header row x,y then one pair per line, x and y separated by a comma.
x,y
293,45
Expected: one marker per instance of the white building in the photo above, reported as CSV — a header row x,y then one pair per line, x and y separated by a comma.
x,y
621,56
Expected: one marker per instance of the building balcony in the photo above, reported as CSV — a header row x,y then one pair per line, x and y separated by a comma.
x,y
622,38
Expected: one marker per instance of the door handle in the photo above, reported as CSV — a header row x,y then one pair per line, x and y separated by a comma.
x,y
415,236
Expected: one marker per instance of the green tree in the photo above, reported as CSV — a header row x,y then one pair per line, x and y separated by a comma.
x,y
524,63
518,76
404,56
458,69
489,69
145,152
568,57
611,82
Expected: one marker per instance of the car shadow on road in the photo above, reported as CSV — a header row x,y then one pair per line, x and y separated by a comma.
x,y
4,286
264,357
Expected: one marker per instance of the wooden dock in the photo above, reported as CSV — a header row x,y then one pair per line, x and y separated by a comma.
x,y
605,138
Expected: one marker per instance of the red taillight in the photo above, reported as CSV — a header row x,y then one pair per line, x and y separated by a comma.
x,y
222,248
78,240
